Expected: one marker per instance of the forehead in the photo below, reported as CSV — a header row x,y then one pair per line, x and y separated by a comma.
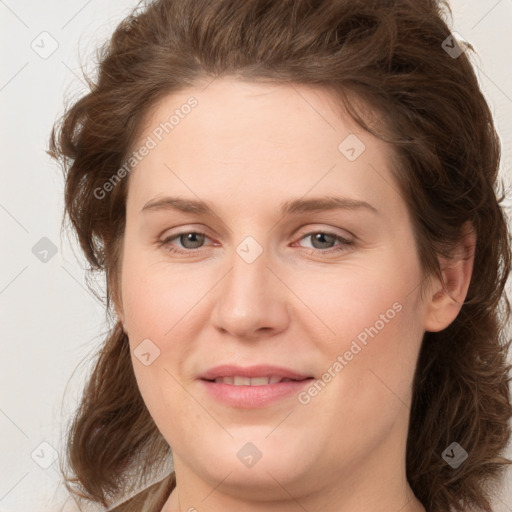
x,y
245,140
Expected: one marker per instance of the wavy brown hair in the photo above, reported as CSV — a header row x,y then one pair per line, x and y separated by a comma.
x,y
384,61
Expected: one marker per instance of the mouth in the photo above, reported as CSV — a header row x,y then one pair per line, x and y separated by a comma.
x,y
252,387
257,375
239,380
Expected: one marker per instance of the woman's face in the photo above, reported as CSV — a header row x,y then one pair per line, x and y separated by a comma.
x,y
270,285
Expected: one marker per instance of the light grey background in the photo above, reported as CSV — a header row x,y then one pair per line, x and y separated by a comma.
x,y
50,321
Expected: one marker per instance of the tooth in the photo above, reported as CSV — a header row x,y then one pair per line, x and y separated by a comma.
x,y
224,380
259,381
241,381
254,381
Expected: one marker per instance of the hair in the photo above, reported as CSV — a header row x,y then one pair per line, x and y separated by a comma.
x,y
375,57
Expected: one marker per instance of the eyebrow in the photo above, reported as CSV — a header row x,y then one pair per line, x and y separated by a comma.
x,y
315,204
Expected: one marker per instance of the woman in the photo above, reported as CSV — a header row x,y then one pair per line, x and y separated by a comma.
x,y
295,206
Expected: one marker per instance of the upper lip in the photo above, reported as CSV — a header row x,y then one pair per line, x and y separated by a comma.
x,y
228,370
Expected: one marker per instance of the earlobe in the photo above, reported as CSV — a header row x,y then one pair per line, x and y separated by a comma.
x,y
446,299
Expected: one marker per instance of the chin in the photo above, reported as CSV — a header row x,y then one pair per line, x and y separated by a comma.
x,y
255,462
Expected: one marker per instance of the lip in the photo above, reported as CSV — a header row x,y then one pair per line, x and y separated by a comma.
x,y
262,370
252,397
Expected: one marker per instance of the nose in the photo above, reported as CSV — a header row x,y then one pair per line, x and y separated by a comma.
x,y
252,299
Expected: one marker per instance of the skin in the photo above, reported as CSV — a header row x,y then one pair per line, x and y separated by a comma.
x,y
246,148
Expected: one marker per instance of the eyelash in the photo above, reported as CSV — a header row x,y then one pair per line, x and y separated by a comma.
x,y
346,244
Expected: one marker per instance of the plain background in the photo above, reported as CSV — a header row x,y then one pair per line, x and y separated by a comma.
x,y
50,321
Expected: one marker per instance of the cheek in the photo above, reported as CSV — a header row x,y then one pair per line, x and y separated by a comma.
x,y
358,302
161,321
369,366
374,319
156,298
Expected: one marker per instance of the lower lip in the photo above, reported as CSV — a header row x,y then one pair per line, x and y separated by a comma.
x,y
253,397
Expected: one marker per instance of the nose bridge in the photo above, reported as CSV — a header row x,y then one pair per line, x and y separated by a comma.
x,y
249,273
251,297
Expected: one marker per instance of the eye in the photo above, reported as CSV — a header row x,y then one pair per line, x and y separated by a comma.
x,y
189,239
322,240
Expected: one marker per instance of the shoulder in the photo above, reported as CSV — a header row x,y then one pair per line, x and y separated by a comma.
x,y
155,495
70,505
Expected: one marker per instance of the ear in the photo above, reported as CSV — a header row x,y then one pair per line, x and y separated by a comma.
x,y
446,298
